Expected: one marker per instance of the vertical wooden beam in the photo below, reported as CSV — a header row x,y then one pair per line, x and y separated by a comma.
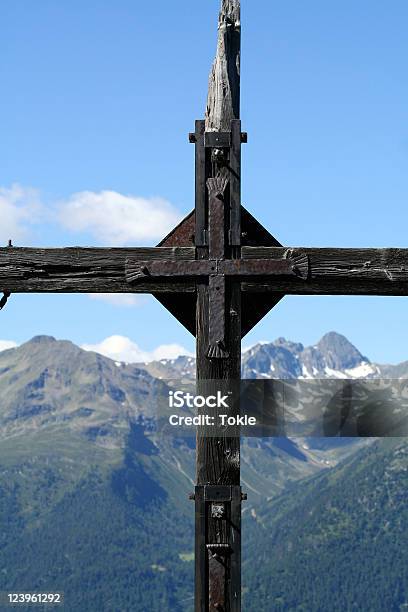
x,y
218,458
235,184
201,162
201,566
223,104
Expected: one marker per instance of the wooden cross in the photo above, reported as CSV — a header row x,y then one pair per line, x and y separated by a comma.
x,y
217,269
219,272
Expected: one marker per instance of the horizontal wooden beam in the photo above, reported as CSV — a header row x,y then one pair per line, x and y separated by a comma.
x,y
335,271
331,271
83,270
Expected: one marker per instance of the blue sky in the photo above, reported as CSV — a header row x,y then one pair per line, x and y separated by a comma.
x,y
96,104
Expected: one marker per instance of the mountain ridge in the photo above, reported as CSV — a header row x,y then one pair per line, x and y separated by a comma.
x,y
52,390
94,499
333,356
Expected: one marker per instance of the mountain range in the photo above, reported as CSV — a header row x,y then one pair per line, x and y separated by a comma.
x,y
332,357
94,502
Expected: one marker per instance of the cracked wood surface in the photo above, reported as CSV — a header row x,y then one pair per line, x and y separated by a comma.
x,y
338,271
223,102
332,271
79,270
218,459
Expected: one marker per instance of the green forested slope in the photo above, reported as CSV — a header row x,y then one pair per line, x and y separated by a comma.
x,y
109,541
337,542
93,502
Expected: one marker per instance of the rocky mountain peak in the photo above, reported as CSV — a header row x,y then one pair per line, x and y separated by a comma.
x,y
332,357
42,339
294,347
339,353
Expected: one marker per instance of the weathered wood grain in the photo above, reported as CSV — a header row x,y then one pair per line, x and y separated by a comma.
x,y
332,271
218,585
201,167
235,235
79,270
337,271
223,102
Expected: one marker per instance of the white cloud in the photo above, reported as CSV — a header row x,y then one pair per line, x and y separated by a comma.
x,y
19,207
118,219
120,348
110,217
126,300
7,344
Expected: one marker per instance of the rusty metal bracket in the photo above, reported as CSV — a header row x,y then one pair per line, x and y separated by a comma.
x,y
216,283
218,545
291,265
217,140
